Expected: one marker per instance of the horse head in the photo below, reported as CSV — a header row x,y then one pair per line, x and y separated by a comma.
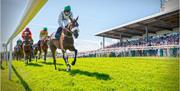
x,y
44,41
73,27
26,45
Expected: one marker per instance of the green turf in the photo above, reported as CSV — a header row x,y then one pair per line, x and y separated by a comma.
x,y
95,74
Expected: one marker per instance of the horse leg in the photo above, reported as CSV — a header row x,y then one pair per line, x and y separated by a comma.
x,y
53,50
45,53
39,54
65,57
22,55
25,59
30,55
75,53
36,58
17,57
54,58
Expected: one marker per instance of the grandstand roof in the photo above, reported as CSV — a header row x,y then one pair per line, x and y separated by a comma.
x,y
157,22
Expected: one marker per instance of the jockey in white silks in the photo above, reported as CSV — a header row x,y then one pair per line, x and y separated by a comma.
x,y
63,20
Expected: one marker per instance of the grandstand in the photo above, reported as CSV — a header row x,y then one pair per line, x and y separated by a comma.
x,y
154,35
156,38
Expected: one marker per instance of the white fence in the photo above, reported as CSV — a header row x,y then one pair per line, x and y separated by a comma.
x,y
31,9
107,51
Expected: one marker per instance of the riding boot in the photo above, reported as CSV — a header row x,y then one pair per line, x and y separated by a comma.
x,y
58,33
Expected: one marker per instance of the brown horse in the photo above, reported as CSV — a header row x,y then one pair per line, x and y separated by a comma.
x,y
27,49
66,42
18,52
43,46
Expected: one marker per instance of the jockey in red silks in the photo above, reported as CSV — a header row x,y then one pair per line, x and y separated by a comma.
x,y
27,38
26,34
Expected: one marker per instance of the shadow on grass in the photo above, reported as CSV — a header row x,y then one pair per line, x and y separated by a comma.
x,y
2,67
99,76
25,85
50,63
34,64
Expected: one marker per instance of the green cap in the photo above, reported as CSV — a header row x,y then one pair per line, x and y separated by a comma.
x,y
45,28
67,8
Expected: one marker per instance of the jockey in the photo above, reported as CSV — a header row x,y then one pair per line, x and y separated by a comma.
x,y
43,33
26,34
63,20
19,42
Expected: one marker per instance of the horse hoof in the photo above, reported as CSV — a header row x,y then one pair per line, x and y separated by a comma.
x,y
73,63
68,69
26,64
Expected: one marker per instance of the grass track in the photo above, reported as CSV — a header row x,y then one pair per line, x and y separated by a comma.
x,y
95,74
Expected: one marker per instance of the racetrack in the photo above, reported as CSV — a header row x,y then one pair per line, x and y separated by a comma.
x,y
95,74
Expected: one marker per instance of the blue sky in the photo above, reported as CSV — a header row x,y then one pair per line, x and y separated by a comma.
x,y
94,16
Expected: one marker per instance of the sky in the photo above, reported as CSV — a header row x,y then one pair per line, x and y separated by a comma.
x,y
94,16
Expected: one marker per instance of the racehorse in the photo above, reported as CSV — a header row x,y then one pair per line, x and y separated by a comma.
x,y
65,42
27,49
35,51
18,52
43,46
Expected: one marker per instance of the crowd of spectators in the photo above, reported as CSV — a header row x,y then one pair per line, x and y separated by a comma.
x,y
166,39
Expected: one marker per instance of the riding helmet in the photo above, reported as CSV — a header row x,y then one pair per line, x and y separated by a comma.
x,y
45,28
67,8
